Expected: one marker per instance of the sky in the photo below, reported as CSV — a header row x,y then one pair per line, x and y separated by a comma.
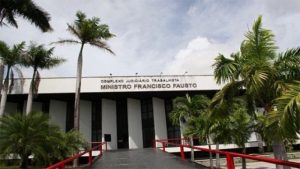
x,y
156,37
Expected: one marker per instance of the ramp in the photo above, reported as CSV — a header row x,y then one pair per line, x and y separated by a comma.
x,y
142,159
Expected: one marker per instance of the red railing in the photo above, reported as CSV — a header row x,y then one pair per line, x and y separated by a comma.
x,y
229,155
99,147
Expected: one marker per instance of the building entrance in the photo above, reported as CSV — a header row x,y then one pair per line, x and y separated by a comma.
x,y
122,124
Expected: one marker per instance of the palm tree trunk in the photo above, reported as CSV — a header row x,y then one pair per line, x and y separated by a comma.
x,y
1,74
279,153
77,95
4,92
210,154
244,165
77,90
217,156
182,127
192,150
30,93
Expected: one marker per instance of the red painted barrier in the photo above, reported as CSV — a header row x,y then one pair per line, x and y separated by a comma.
x,y
61,164
229,155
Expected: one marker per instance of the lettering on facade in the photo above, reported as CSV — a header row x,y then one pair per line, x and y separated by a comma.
x,y
146,83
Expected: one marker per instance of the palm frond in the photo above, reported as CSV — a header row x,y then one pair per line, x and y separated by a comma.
x,y
72,29
9,16
39,57
288,64
103,32
63,41
4,49
102,45
259,43
54,61
225,69
229,91
256,81
36,15
288,109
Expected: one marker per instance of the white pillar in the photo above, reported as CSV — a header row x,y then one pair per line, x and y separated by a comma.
x,y
159,115
57,113
85,120
109,122
135,132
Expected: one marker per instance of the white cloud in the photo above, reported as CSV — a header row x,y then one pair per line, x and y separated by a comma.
x,y
197,57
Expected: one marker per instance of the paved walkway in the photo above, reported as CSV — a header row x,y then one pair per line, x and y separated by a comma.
x,y
142,159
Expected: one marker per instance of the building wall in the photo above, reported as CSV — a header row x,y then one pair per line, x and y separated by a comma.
x,y
86,119
160,123
57,112
99,84
109,122
134,124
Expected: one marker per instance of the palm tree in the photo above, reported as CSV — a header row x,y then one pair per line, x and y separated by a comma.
x,y
200,126
28,10
33,134
38,57
9,9
231,123
11,59
185,109
28,135
72,142
260,71
88,31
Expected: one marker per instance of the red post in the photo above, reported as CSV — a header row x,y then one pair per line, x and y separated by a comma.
x,y
164,147
90,158
182,155
100,149
230,161
62,166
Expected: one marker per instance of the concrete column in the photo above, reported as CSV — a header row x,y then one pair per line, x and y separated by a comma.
x,y
159,115
109,122
57,113
135,131
85,121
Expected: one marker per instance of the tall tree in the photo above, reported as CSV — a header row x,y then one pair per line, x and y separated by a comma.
x,y
9,9
87,31
185,109
200,127
236,127
38,57
259,70
11,59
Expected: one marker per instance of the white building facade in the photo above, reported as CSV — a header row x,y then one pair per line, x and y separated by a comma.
x,y
129,111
